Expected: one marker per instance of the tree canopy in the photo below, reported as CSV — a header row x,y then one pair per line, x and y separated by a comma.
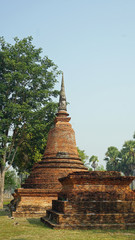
x,y
123,160
11,180
94,161
112,158
128,157
82,155
27,106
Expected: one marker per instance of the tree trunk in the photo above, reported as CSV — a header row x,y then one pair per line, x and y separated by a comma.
x,y
2,178
2,175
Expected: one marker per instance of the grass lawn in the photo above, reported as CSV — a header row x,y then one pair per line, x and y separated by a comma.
x,y
33,229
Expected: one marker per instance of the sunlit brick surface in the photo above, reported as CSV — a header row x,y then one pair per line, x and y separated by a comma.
x,y
60,159
90,200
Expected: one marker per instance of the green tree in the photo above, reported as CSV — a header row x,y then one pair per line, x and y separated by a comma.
x,y
113,158
100,168
82,155
127,164
11,180
27,88
32,148
94,161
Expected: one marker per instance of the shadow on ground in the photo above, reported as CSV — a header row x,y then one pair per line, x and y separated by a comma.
x,y
5,212
37,222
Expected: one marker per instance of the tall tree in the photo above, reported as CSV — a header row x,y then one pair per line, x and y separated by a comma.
x,y
11,180
82,155
123,160
32,148
27,86
94,161
113,159
127,165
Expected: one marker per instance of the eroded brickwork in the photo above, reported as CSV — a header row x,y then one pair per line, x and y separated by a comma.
x,y
93,200
31,202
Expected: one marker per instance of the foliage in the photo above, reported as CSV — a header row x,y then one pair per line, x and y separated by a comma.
x,y
32,148
112,158
123,160
100,168
27,104
94,161
11,180
128,157
27,86
82,155
93,158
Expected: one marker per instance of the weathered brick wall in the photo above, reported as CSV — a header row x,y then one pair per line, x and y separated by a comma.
x,y
32,202
92,200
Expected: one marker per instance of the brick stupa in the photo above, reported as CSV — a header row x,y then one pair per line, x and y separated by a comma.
x,y
60,159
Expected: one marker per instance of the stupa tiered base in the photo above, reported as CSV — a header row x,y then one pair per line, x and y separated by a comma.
x,y
43,186
93,200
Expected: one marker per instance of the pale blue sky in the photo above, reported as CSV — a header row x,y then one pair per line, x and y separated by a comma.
x,y
93,43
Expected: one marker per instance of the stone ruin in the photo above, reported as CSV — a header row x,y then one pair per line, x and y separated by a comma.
x,y
93,200
60,159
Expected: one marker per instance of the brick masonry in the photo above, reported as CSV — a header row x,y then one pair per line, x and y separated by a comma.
x,y
60,159
90,200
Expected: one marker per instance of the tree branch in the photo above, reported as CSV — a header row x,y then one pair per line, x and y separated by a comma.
x,y
12,159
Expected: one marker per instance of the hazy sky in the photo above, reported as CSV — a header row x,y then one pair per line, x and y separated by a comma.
x,y
93,43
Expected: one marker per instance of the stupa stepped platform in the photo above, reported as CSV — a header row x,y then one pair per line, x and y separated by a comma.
x,y
43,186
46,173
92,200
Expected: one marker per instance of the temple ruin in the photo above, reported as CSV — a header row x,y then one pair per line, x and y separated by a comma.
x,y
93,200
61,187
60,158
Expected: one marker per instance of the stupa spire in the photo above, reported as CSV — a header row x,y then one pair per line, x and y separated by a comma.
x,y
62,99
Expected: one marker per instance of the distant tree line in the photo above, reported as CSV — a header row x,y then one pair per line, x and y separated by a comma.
x,y
116,160
121,160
